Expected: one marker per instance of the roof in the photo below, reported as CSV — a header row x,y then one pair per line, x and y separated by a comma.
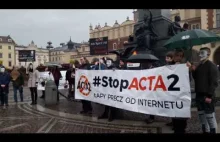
x,y
22,46
6,39
116,24
127,22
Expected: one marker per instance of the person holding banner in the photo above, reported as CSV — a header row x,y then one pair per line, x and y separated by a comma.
x,y
32,82
122,65
169,61
86,105
109,112
206,81
179,124
148,65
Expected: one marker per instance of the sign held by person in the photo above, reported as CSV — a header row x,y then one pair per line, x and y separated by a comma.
x,y
162,91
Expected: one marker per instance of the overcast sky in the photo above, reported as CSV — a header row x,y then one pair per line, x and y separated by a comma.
x,y
56,26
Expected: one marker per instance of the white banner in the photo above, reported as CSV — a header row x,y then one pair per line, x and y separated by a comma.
x,y
162,91
44,76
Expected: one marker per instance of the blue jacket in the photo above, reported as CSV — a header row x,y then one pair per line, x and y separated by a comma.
x,y
5,78
96,67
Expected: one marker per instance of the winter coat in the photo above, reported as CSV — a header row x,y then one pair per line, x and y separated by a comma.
x,y
206,79
57,74
85,66
96,67
5,79
33,78
19,81
69,77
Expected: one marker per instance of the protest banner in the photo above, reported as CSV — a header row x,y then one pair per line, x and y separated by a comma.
x,y
44,76
162,91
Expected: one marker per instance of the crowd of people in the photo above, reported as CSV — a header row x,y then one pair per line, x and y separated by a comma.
x,y
205,76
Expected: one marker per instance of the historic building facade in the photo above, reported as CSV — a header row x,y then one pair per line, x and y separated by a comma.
x,y
117,34
7,51
63,53
41,54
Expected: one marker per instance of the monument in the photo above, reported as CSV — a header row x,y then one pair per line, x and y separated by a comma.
x,y
152,30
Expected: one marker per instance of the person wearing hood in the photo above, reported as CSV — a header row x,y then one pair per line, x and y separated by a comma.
x,y
206,81
4,88
18,83
33,76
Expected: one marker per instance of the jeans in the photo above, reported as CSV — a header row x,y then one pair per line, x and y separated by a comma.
x,y
20,89
4,98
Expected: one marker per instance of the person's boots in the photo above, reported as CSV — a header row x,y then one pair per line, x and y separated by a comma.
x,y
212,131
42,97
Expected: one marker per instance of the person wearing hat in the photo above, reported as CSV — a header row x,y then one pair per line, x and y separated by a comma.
x,y
4,86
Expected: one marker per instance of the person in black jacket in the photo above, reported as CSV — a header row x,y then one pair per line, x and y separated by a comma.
x,y
179,124
206,81
148,65
86,105
70,77
170,61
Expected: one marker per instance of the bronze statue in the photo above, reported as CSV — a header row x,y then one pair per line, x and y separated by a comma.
x,y
175,27
146,34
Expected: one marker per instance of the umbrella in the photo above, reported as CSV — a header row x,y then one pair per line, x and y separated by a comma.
x,y
191,38
142,58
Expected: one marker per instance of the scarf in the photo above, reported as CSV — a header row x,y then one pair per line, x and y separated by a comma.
x,y
15,74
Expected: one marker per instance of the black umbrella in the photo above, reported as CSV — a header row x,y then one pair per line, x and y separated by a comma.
x,y
142,58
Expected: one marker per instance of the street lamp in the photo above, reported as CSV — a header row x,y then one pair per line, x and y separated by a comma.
x,y
49,46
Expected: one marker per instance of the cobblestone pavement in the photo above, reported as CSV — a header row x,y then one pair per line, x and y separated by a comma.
x,y
64,118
